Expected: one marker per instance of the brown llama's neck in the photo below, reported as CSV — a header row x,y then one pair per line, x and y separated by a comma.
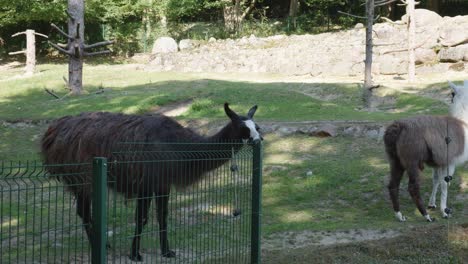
x,y
224,135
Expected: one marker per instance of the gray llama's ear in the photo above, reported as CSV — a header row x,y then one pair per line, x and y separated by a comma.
x,y
251,112
231,114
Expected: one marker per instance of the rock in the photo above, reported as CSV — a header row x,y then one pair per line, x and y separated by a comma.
x,y
359,26
424,18
309,173
211,40
454,31
459,66
372,133
424,56
390,64
385,31
453,54
186,44
164,45
286,131
327,130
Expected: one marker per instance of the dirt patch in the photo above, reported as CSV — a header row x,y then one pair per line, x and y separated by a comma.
x,y
415,245
294,240
174,109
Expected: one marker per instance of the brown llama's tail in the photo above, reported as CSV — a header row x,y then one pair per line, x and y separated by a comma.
x,y
392,133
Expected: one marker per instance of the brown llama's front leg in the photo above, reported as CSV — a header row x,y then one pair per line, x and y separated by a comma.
x,y
83,210
396,173
413,188
141,218
162,201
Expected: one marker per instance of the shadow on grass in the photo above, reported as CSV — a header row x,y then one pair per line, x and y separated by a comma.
x,y
277,101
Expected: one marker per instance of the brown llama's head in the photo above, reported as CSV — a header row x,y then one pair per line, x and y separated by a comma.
x,y
244,128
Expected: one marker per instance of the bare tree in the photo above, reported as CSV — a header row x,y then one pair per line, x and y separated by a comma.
x,y
370,19
76,48
234,15
293,7
30,50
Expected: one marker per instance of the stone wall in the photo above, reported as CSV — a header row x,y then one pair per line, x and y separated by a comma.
x,y
442,45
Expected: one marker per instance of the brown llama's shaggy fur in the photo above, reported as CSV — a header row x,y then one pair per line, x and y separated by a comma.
x,y
77,139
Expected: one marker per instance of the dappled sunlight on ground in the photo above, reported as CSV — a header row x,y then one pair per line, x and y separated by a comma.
x,y
10,223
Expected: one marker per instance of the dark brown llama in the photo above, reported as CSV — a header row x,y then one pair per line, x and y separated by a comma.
x,y
413,142
77,139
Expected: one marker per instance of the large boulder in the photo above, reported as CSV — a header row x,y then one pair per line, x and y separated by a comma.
x,y
453,31
390,64
424,56
186,44
164,45
453,54
424,18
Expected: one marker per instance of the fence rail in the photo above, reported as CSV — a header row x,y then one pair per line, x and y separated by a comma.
x,y
216,219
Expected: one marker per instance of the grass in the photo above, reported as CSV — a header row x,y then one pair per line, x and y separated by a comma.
x,y
346,190
134,91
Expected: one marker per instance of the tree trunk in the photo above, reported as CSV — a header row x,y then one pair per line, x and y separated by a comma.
x,y
367,93
231,18
411,36
30,52
76,30
293,5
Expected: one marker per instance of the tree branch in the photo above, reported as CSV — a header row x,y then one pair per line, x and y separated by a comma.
x,y
382,3
61,31
90,54
351,15
386,19
42,35
51,93
406,49
99,44
248,10
57,47
18,33
16,52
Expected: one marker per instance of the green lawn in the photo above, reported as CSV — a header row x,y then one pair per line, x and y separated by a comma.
x,y
134,91
345,191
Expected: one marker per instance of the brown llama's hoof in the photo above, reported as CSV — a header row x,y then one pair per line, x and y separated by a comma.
x,y
137,258
432,207
169,254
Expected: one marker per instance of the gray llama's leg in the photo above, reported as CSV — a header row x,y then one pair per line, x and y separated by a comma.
x,y
435,187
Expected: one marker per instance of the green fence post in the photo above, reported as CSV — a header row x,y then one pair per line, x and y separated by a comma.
x,y
256,202
98,247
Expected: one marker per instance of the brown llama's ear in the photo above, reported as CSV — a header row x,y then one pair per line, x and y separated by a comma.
x,y
251,112
231,114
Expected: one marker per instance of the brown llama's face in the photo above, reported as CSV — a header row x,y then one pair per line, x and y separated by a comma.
x,y
244,126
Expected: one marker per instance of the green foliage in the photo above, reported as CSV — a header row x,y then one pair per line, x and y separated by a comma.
x,y
136,23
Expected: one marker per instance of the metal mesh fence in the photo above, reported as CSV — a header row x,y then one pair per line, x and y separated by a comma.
x,y
38,220
198,196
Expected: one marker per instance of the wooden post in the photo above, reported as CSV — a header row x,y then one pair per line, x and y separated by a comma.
x,y
410,5
368,62
30,50
75,47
